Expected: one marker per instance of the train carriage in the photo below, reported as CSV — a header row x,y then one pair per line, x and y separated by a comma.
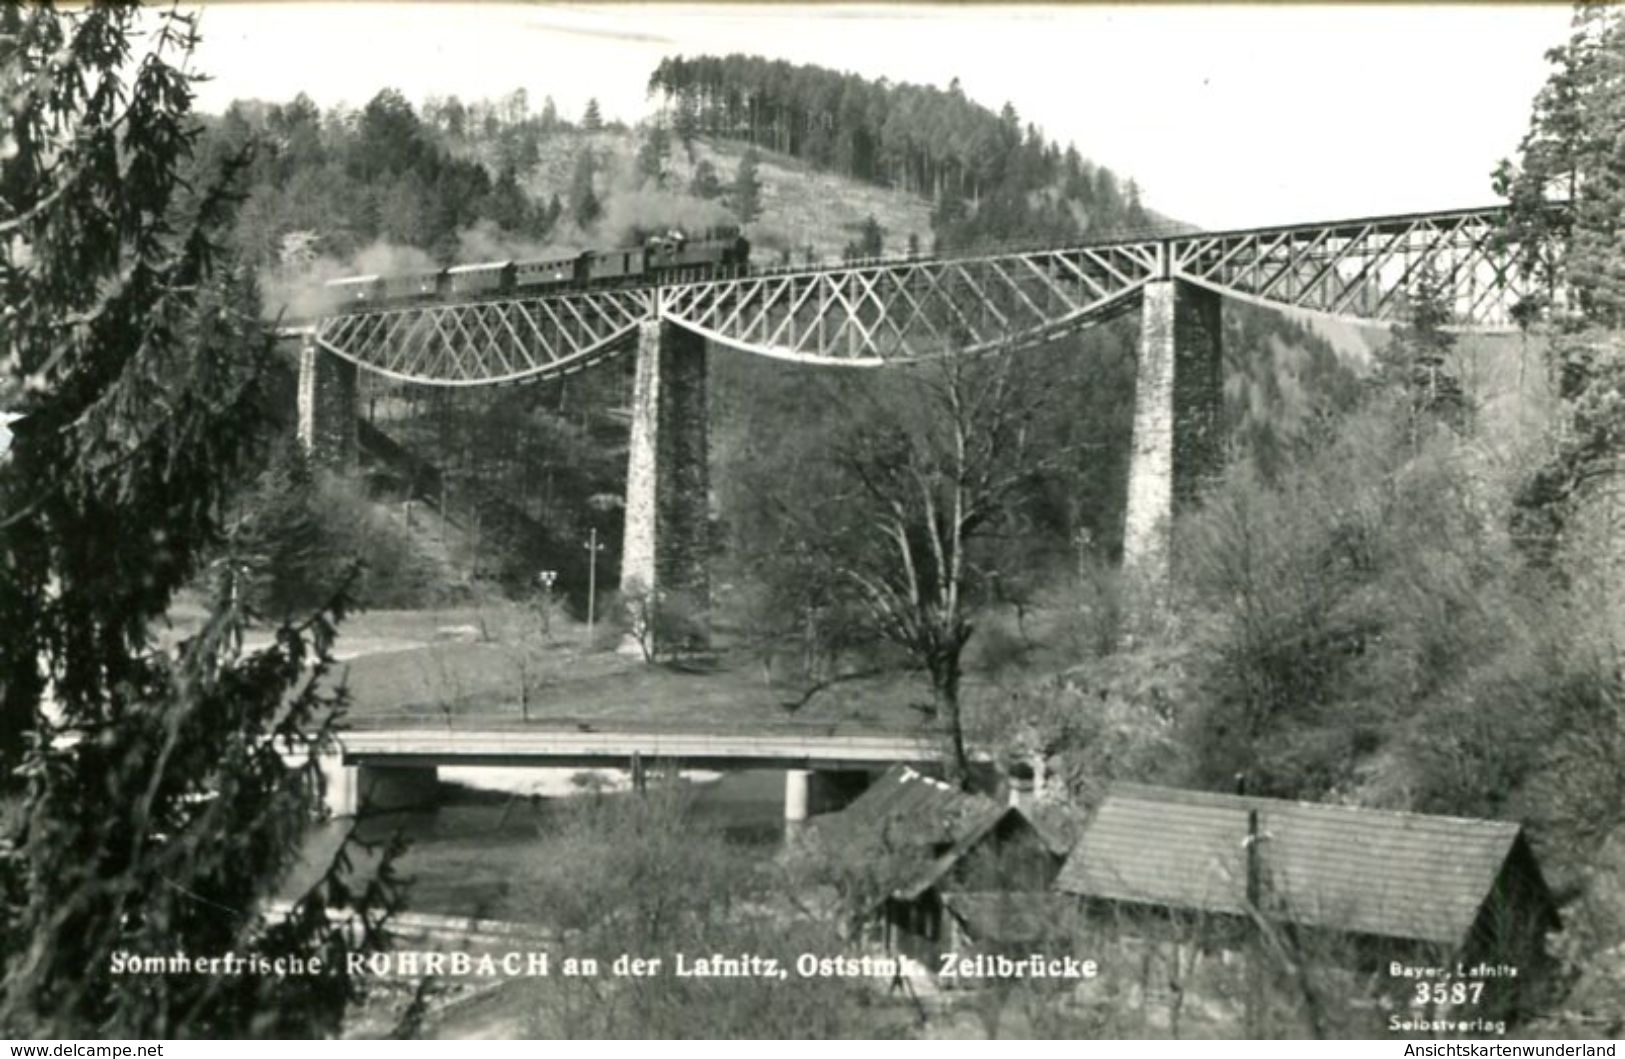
x,y
472,281
355,290
412,286
548,272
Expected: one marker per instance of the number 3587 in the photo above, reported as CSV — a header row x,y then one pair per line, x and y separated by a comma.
x,y
1447,993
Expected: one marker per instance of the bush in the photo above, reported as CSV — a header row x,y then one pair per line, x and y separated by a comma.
x,y
1364,628
612,622
665,624
309,529
646,876
998,647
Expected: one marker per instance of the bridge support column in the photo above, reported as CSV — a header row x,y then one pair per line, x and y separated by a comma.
x,y
385,788
338,791
797,798
807,793
340,784
666,548
1178,392
327,405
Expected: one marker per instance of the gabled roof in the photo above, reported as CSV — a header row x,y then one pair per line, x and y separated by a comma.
x,y
1400,875
977,826
913,809
908,810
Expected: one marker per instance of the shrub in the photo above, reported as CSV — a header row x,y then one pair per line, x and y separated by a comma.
x,y
647,876
308,529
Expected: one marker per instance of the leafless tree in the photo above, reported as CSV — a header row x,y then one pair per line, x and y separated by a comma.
x,y
936,466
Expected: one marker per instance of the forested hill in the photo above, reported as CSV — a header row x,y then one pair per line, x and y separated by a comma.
x,y
987,176
813,163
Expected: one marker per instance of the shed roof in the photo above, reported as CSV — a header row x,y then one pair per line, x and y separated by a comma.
x,y
908,810
913,809
1389,874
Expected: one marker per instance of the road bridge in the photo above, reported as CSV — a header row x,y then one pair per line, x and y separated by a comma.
x,y
877,313
397,767
693,747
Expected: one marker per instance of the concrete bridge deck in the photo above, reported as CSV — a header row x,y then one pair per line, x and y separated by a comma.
x,y
394,764
784,747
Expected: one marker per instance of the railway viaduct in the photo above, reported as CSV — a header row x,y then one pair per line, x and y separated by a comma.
x,y
885,312
871,314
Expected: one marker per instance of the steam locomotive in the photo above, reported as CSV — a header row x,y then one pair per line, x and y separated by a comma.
x,y
669,258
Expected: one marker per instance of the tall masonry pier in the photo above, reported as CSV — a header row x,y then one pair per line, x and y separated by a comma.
x,y
326,404
665,553
1176,444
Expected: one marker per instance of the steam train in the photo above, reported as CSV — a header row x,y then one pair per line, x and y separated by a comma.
x,y
670,258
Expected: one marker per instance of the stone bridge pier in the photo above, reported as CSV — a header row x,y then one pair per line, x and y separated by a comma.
x,y
1178,398
327,405
666,546
665,552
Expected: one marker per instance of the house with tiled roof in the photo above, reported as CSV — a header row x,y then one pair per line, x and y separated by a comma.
x,y
960,867
1425,891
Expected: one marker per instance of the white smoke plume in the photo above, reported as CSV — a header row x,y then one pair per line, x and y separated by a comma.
x,y
295,289
633,214
387,259
485,241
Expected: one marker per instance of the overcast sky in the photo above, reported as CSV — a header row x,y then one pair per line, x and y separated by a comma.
x,y
1228,117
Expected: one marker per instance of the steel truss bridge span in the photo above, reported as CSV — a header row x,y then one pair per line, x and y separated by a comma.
x,y
899,310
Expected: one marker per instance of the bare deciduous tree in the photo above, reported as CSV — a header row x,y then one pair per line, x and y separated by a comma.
x,y
936,466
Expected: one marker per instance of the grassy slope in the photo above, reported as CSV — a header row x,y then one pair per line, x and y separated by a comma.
x,y
799,204
463,684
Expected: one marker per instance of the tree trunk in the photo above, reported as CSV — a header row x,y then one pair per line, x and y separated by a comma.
x,y
945,693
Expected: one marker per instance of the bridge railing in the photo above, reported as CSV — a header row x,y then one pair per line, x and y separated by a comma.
x,y
589,725
752,749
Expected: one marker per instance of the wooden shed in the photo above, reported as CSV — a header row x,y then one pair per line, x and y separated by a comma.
x,y
1392,889
949,849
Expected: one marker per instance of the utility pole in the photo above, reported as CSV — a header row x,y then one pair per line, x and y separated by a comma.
x,y
1255,955
593,547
